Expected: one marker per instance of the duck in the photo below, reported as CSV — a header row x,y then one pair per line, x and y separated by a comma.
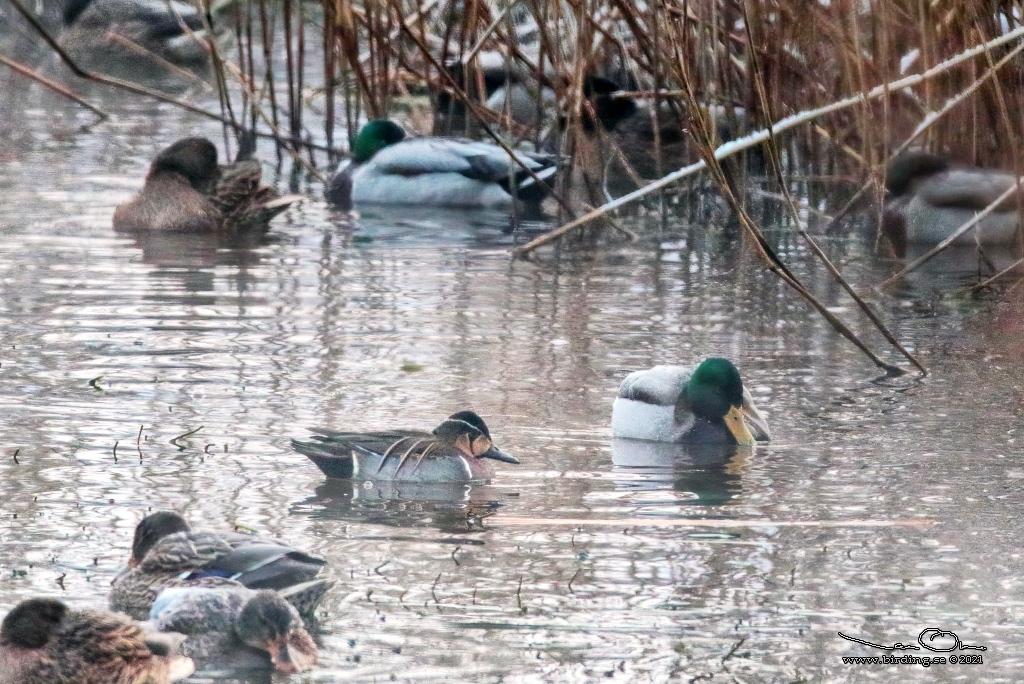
x,y
166,552
43,641
103,33
457,450
387,168
186,191
702,404
929,199
235,628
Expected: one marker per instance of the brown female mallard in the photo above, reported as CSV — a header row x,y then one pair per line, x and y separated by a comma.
x,y
42,641
187,191
167,553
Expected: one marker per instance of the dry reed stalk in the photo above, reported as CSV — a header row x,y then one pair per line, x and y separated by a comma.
x,y
54,86
774,156
786,123
705,142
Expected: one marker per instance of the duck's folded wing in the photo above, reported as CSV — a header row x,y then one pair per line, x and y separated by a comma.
x,y
660,385
355,454
306,597
476,160
162,19
421,156
377,442
263,564
183,551
236,183
971,189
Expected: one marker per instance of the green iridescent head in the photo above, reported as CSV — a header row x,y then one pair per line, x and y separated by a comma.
x,y
715,394
714,387
374,137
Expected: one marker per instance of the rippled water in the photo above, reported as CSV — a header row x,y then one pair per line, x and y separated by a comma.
x,y
593,559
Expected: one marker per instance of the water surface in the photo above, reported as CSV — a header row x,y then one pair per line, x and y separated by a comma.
x,y
577,565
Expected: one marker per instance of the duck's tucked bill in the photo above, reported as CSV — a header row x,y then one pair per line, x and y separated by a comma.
x,y
42,641
186,191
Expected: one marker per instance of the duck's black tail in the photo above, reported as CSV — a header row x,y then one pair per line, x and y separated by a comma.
x,y
525,188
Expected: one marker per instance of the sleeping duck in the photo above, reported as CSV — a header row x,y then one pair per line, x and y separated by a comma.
x,y
186,191
929,200
118,35
387,168
167,553
42,641
235,628
705,404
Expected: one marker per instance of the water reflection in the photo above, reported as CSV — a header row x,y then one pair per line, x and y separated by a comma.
x,y
960,265
401,316
449,507
703,474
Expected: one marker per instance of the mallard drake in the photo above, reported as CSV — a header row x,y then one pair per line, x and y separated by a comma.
x,y
186,191
453,452
42,641
385,168
694,404
929,200
235,628
167,553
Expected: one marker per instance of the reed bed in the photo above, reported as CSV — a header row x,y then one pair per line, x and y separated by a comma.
x,y
694,67
818,94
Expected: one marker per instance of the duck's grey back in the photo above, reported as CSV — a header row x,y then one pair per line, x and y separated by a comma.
x,y
969,188
660,385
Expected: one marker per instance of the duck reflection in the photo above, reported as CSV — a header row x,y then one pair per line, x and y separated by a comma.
x,y
448,506
707,474
186,261
417,226
967,265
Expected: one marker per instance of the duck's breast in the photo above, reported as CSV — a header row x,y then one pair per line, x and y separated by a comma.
x,y
168,204
646,405
444,468
635,419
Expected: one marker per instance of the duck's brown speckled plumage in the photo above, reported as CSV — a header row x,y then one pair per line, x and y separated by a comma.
x,y
169,554
82,647
187,192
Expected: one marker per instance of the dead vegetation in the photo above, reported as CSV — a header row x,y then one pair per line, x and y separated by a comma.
x,y
642,96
